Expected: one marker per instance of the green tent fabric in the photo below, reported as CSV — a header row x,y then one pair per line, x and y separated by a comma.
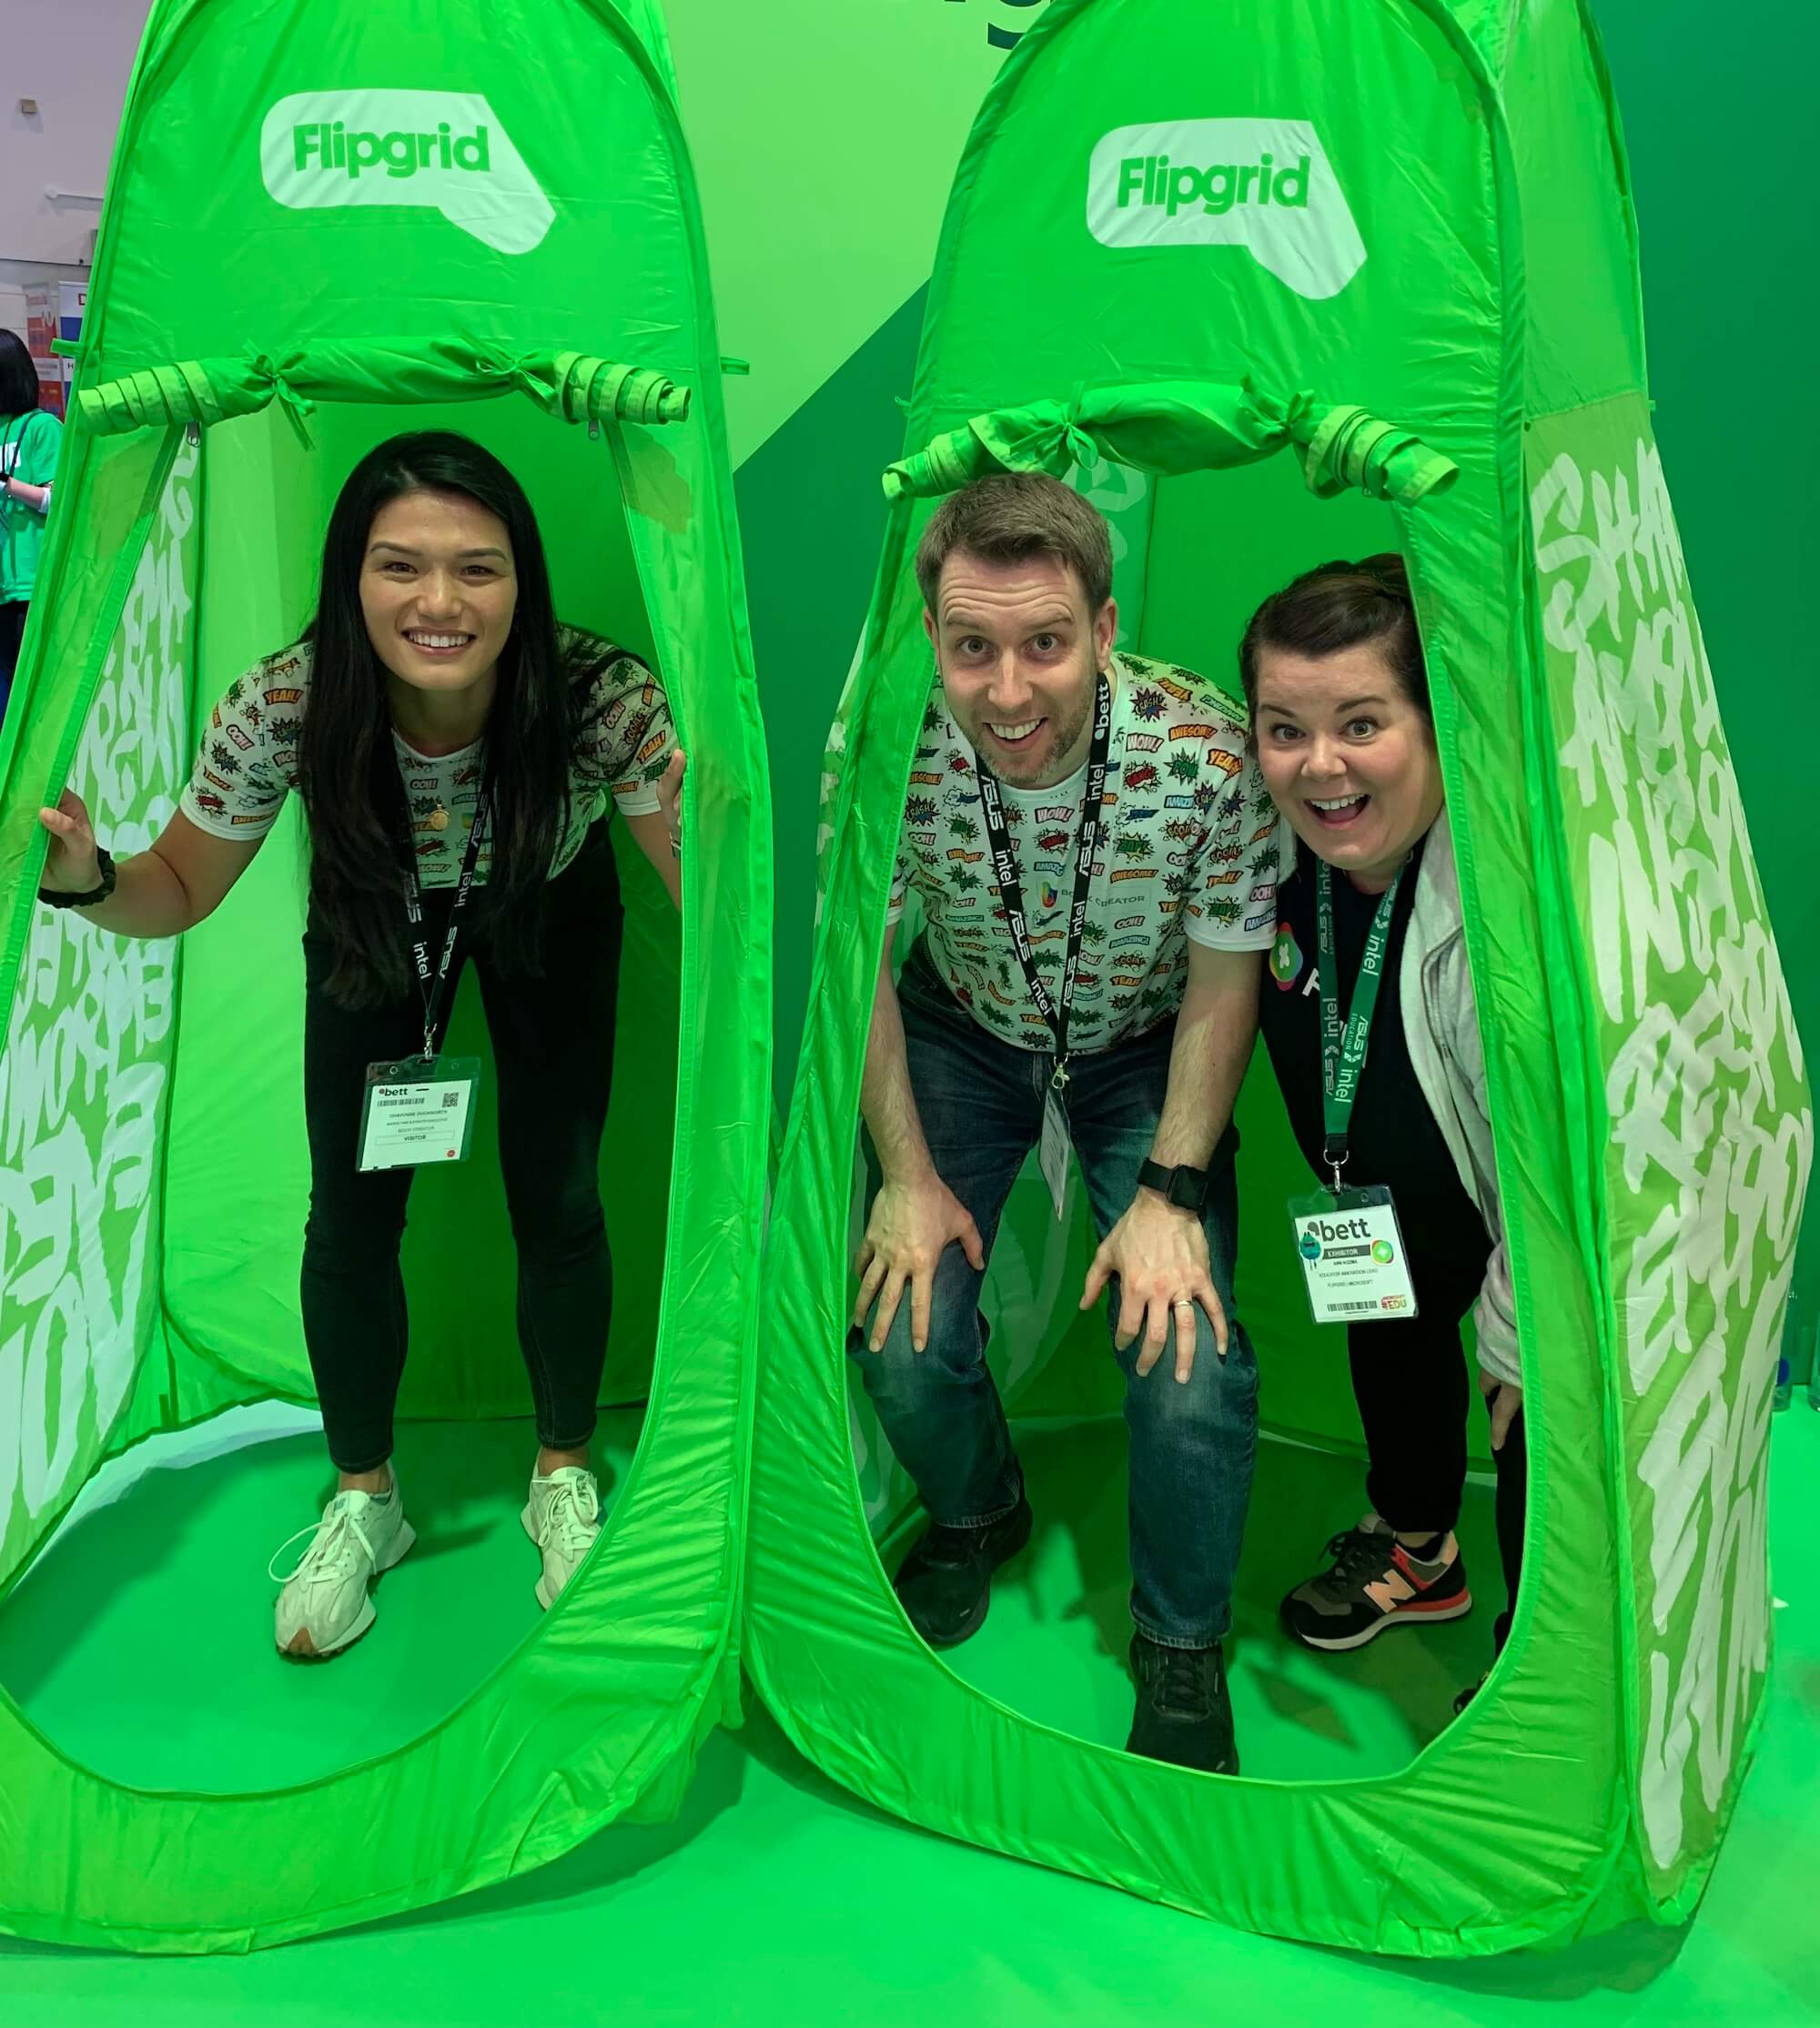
x,y
298,259
1172,216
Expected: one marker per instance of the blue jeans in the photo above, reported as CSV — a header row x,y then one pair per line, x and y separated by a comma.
x,y
1192,1444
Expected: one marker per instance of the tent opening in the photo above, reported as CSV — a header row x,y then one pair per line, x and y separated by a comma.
x,y
1194,555
164,1554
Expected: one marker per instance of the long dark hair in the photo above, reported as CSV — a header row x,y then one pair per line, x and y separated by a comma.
x,y
348,771
18,377
1337,606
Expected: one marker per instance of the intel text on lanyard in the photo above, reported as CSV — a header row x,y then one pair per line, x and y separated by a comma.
x,y
434,989
1055,1013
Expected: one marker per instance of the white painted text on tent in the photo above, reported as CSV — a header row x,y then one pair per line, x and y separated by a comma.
x,y
1265,184
439,151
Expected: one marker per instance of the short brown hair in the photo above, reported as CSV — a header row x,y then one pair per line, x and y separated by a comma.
x,y
1337,606
1012,517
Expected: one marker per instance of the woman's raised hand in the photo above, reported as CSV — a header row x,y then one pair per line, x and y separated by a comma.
x,y
71,866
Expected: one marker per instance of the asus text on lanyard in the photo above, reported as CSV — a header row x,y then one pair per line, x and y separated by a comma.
x,y
420,1109
1349,1242
1056,1012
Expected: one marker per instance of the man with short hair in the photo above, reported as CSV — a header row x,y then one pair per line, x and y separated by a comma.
x,y
1097,860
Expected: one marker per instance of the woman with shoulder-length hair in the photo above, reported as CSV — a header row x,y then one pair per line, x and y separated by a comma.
x,y
456,750
1370,995
30,437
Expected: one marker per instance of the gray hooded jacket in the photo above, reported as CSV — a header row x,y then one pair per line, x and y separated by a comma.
x,y
1440,1023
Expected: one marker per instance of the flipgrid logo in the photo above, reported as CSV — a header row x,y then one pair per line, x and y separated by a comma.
x,y
435,151
1263,185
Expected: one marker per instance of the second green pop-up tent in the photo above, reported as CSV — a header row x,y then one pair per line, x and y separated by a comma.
x,y
325,225
1177,242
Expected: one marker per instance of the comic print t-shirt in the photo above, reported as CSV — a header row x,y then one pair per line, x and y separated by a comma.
x,y
247,763
1191,849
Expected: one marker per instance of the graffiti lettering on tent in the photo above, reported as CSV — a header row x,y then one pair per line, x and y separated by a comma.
x,y
1707,1157
84,1075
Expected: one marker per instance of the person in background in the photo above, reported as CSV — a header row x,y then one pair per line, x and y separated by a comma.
x,y
1096,859
457,751
1333,671
30,437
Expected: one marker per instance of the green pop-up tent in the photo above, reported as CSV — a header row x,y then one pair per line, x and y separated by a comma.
x,y
1213,259
326,224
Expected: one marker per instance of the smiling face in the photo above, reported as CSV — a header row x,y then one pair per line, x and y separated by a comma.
x,y
438,592
1349,760
1018,647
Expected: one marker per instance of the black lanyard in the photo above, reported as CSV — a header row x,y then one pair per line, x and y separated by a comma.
x,y
434,991
1011,891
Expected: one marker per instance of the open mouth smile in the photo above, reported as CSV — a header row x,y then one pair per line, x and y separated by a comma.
x,y
1336,813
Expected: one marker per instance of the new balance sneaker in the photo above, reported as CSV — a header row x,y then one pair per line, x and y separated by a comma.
x,y
1372,1583
325,1606
944,1584
1184,1714
562,1517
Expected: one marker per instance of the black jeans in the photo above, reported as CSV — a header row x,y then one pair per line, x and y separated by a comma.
x,y
12,637
552,1056
1414,1392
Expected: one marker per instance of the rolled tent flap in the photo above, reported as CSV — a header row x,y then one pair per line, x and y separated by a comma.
x,y
1177,426
572,386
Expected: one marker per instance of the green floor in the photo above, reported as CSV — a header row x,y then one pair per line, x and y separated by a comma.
x,y
140,1641
778,1899
1055,1643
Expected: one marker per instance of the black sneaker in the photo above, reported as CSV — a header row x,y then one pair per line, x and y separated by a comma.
x,y
946,1582
1184,1714
1372,1583
1466,1697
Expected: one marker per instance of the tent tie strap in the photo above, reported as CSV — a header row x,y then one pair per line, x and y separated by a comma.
x,y
1174,427
580,388
295,405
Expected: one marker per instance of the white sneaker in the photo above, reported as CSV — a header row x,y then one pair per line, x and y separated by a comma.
x,y
324,1606
562,1517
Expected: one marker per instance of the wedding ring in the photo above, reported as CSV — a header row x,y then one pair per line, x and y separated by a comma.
x,y
1183,1303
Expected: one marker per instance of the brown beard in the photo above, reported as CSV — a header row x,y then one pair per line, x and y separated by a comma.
x,y
1064,743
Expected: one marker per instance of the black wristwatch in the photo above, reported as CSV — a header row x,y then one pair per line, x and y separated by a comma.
x,y
1186,1188
104,859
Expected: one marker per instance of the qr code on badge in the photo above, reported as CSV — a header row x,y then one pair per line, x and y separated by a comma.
x,y
450,1099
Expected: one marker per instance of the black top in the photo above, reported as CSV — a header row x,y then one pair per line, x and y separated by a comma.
x,y
1393,1138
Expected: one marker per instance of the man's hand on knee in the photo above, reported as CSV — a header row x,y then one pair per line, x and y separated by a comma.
x,y
1159,1254
911,1225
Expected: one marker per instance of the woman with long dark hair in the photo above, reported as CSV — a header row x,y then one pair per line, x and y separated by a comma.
x,y
29,441
456,750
